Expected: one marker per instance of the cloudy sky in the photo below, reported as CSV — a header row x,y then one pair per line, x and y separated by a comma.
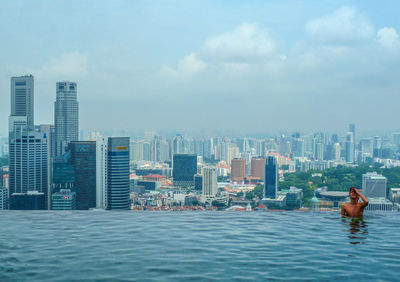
x,y
233,66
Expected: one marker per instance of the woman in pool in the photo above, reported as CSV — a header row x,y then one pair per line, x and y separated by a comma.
x,y
354,208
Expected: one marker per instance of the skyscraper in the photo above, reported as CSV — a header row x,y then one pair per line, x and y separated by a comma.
x,y
101,172
22,97
271,178
83,159
184,169
257,168
374,185
350,147
238,169
118,173
66,115
28,145
210,185
28,161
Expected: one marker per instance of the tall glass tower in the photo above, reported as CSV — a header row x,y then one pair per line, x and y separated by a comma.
x,y
66,116
184,169
271,178
118,173
28,144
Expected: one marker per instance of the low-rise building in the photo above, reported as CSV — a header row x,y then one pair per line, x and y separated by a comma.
x,y
63,200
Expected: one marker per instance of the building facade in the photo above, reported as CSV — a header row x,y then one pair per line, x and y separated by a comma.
x,y
64,200
257,168
271,178
209,183
28,170
184,169
238,169
66,116
374,185
3,198
118,173
22,101
83,159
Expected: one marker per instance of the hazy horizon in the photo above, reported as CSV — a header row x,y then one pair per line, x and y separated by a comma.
x,y
240,67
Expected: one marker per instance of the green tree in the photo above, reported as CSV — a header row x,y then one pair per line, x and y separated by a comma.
x,y
249,195
259,191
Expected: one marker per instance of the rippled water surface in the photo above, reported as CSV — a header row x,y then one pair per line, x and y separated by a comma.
x,y
154,246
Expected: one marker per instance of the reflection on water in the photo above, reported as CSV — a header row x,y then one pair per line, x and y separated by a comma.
x,y
358,229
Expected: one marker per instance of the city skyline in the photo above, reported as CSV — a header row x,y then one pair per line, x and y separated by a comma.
x,y
252,73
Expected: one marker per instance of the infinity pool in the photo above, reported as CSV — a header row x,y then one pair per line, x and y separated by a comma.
x,y
203,246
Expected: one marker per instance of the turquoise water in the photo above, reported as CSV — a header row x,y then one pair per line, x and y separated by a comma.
x,y
203,246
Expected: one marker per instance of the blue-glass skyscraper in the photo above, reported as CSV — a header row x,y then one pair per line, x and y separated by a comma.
x,y
118,173
184,169
271,178
83,159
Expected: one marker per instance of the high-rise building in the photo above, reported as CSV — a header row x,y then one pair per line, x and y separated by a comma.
x,y
63,173
118,173
271,178
352,129
336,151
66,116
28,161
210,185
101,172
83,159
64,200
184,169
238,169
257,168
298,147
198,182
3,198
22,97
374,185
350,147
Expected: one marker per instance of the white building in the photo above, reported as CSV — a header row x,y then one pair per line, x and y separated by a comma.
x,y
101,173
210,184
374,185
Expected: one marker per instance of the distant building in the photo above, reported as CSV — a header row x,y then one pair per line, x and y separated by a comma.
x,y
64,200
238,169
22,101
83,159
198,182
3,198
63,173
374,185
149,185
210,185
394,195
184,169
28,161
66,115
271,178
350,154
257,168
118,173
379,204
31,200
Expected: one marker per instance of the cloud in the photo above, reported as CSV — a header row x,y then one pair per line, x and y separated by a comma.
x,y
235,50
388,37
69,64
346,26
189,65
248,42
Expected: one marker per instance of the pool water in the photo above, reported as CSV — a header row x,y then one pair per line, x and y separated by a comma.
x,y
203,246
